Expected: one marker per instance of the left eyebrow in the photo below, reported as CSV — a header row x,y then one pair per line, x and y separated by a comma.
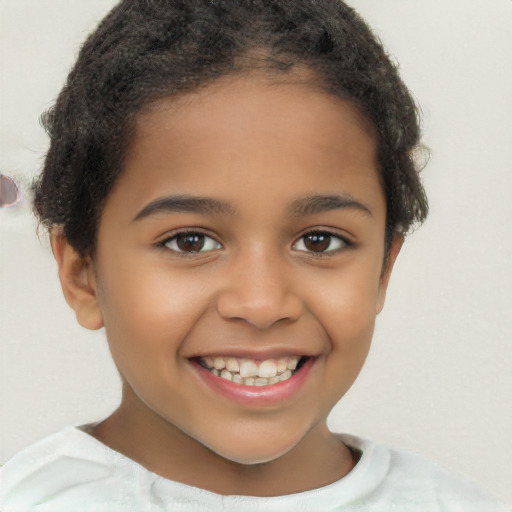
x,y
324,203
185,204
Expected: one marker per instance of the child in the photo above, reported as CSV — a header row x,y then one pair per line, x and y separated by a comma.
x,y
227,189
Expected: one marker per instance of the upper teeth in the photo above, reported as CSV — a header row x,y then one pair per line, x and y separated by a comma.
x,y
251,372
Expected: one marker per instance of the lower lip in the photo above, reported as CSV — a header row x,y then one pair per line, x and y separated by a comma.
x,y
257,395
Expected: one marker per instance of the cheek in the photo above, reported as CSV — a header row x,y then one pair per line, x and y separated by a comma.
x,y
149,309
346,310
346,302
349,320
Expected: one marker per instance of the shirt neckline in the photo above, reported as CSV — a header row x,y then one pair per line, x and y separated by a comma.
x,y
366,475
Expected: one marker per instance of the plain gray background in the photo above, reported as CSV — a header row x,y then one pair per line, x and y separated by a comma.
x,y
438,379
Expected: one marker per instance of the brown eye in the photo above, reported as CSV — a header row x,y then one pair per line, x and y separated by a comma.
x,y
191,243
320,242
317,242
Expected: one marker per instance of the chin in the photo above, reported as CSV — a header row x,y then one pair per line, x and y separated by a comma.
x,y
250,451
253,458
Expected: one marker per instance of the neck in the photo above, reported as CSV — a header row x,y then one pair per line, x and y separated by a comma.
x,y
319,459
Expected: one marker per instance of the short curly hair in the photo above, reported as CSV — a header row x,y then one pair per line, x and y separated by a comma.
x,y
146,50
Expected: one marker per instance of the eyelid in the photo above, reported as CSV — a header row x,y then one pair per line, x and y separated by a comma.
x,y
346,242
187,231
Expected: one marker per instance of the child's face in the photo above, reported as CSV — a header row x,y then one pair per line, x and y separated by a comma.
x,y
247,225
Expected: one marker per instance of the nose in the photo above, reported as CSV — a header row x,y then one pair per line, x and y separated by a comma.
x,y
260,292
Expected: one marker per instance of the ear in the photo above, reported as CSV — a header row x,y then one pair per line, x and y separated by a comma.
x,y
394,249
78,281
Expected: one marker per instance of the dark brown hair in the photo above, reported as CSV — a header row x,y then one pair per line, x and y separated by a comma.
x,y
145,50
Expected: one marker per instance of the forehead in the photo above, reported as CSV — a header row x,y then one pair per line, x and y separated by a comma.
x,y
235,107
242,133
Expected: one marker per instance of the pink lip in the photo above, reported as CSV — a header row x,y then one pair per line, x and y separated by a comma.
x,y
256,396
261,355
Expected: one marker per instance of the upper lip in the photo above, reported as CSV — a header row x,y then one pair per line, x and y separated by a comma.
x,y
260,355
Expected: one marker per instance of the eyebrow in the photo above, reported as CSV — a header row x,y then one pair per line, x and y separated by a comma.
x,y
324,203
206,205
185,204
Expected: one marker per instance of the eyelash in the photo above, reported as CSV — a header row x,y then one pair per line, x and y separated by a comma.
x,y
342,243
173,240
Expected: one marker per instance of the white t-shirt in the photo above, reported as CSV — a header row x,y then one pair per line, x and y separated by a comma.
x,y
72,472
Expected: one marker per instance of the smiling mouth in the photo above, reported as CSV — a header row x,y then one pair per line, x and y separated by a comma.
x,y
250,372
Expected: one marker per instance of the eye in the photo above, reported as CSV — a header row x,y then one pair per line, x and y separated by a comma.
x,y
320,242
191,242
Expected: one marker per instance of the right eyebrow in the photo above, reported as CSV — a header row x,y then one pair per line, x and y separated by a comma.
x,y
185,204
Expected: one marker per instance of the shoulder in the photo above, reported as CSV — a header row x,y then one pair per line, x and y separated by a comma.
x,y
409,482
59,470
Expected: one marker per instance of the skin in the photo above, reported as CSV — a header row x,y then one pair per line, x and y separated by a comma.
x,y
255,291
